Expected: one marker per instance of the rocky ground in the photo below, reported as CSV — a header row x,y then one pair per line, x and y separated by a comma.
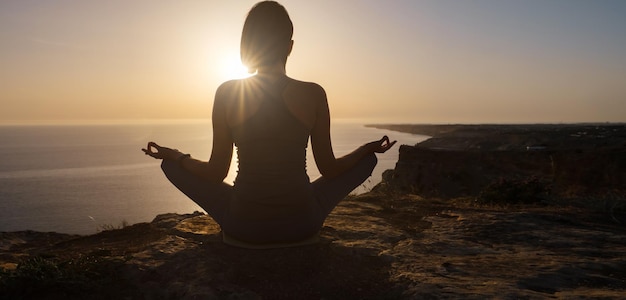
x,y
373,246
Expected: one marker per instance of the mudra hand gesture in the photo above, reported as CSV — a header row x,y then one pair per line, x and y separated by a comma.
x,y
159,152
380,146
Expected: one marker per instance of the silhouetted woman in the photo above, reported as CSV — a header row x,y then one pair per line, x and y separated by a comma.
x,y
270,118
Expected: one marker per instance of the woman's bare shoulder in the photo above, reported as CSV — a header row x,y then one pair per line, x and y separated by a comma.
x,y
229,86
306,84
306,89
236,89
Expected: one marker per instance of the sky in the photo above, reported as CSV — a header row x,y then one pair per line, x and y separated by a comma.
x,y
414,61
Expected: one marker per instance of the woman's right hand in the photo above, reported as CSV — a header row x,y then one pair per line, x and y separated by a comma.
x,y
159,152
380,146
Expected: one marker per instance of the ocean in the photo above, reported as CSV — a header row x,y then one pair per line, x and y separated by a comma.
x,y
80,179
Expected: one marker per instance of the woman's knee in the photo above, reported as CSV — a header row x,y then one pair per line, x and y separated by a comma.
x,y
166,165
172,170
365,167
370,161
171,167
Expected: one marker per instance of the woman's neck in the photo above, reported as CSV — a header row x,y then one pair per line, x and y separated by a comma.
x,y
277,70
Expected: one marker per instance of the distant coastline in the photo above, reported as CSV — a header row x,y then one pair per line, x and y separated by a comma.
x,y
438,129
516,136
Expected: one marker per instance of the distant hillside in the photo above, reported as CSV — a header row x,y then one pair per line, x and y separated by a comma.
x,y
517,137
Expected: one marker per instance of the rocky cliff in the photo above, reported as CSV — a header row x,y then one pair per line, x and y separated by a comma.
x,y
561,161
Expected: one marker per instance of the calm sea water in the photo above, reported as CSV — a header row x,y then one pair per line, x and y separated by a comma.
x,y
75,179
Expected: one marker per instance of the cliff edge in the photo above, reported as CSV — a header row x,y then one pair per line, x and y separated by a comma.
x,y
558,161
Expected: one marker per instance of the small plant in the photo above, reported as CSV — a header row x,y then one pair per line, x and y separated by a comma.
x,y
505,191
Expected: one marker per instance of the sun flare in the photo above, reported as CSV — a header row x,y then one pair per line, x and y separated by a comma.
x,y
231,68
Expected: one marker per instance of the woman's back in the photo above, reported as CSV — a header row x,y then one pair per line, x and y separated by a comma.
x,y
271,142
271,146
272,191
302,99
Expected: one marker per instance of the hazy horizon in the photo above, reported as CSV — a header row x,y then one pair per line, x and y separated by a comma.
x,y
421,62
207,121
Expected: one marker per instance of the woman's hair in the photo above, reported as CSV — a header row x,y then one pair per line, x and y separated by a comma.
x,y
266,35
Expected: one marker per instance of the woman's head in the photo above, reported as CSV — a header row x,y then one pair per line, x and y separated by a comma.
x,y
266,36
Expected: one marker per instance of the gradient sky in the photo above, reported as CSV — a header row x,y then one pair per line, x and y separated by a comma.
x,y
474,61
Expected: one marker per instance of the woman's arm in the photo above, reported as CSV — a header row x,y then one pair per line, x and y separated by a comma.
x,y
328,165
216,169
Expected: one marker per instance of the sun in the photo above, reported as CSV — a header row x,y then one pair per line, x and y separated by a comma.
x,y
231,68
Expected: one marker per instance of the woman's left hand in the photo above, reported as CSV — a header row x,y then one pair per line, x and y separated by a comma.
x,y
160,152
380,146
